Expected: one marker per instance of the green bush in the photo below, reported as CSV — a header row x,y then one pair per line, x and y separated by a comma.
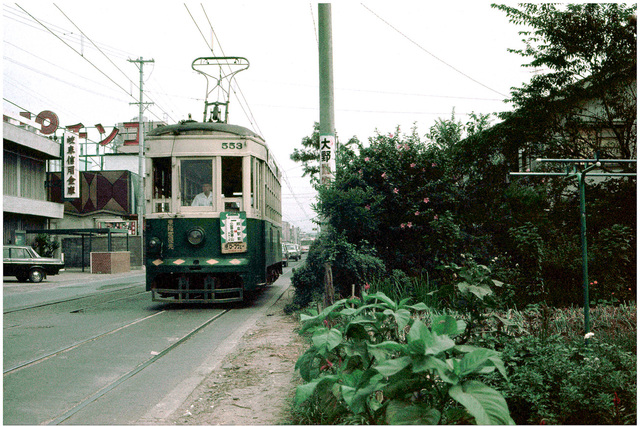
x,y
372,360
351,266
559,382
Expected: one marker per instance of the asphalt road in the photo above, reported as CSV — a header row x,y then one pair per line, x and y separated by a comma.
x,y
86,349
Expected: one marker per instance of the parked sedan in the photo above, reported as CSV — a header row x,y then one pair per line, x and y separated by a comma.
x,y
25,264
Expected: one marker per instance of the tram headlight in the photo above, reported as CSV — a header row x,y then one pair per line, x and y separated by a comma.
x,y
154,244
195,236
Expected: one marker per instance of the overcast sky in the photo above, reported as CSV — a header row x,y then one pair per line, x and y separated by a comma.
x,y
395,64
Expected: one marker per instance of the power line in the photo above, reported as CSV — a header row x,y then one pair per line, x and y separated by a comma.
x,y
107,57
70,47
431,54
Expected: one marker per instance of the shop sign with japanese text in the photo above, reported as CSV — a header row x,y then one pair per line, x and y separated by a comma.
x,y
71,165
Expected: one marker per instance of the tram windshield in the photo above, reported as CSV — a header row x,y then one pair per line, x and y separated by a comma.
x,y
196,183
214,183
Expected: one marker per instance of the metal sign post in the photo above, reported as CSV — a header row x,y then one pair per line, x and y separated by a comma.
x,y
580,175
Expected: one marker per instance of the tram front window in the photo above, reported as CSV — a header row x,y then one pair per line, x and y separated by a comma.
x,y
196,183
232,183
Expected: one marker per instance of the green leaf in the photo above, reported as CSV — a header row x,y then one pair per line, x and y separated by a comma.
x,y
402,317
479,291
305,364
384,299
474,361
327,339
403,413
485,404
422,341
385,350
418,307
392,366
431,363
498,283
445,324
303,392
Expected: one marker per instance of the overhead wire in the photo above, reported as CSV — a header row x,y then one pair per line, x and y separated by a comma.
x,y
109,59
431,54
251,119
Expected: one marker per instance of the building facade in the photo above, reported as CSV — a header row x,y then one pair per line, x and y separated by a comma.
x,y
26,152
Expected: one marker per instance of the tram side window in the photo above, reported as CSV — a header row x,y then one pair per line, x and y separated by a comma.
x,y
196,183
232,182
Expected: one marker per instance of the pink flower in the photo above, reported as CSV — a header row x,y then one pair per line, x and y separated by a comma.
x,y
417,213
402,225
426,200
395,190
409,224
434,165
413,165
435,217
384,175
366,158
367,207
367,286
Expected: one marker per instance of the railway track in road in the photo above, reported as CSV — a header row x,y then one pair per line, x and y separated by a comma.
x,y
91,398
70,299
58,360
75,345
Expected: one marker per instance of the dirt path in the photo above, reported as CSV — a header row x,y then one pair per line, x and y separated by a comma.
x,y
256,382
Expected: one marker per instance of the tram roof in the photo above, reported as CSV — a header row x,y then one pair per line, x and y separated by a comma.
x,y
211,127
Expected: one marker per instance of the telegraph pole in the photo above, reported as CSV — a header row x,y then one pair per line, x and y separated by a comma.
x,y
141,104
327,124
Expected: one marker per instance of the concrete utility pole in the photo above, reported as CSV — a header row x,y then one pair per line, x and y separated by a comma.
x,y
141,104
327,124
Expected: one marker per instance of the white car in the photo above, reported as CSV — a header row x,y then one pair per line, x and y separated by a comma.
x,y
294,252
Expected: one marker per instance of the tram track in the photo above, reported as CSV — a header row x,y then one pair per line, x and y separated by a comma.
x,y
123,378
76,298
75,345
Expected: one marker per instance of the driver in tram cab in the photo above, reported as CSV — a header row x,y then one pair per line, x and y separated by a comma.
x,y
205,198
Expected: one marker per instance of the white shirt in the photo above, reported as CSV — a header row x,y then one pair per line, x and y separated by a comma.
x,y
203,200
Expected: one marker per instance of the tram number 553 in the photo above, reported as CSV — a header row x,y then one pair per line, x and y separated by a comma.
x,y
232,145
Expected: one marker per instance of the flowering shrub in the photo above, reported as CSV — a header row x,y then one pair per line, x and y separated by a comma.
x,y
396,194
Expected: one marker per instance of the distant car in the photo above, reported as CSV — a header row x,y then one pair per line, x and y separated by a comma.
x,y
25,264
285,256
306,244
294,252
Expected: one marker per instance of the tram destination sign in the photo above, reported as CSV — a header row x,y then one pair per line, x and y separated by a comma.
x,y
233,232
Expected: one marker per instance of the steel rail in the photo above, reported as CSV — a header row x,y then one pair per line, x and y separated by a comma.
x,y
74,345
56,302
97,395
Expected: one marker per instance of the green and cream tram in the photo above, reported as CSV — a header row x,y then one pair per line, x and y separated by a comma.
x,y
213,218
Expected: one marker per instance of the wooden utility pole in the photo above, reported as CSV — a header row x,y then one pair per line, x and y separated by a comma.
x,y
327,124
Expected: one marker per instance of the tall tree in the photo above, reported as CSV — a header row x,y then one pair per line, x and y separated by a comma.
x,y
585,97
